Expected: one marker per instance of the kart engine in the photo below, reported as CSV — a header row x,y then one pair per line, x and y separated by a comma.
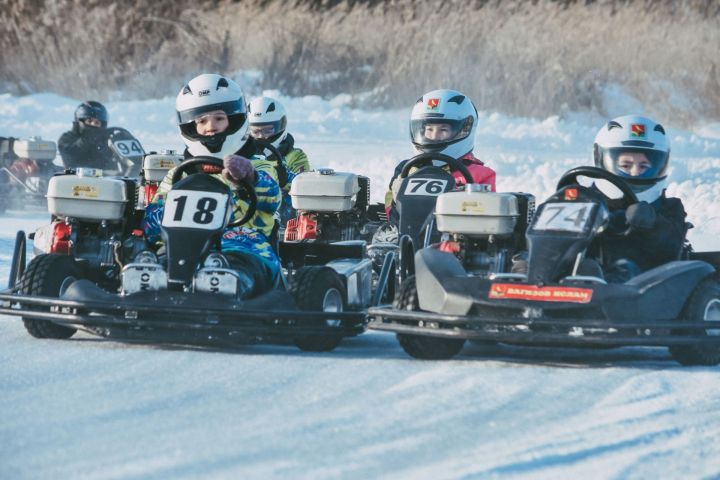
x,y
482,228
331,206
97,219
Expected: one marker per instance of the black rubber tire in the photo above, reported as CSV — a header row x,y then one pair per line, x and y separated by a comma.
x,y
420,346
310,287
706,296
44,276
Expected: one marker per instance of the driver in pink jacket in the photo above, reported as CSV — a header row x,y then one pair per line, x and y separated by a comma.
x,y
443,122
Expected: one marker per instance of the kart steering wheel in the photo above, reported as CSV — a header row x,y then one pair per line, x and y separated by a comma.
x,y
426,158
242,187
280,166
570,178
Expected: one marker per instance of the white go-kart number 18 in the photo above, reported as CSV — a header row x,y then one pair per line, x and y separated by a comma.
x,y
566,217
195,209
425,186
128,148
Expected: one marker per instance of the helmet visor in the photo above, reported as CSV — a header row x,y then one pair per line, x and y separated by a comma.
x,y
640,163
438,131
266,129
230,108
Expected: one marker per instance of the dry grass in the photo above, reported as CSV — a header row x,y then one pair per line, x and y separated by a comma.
x,y
526,58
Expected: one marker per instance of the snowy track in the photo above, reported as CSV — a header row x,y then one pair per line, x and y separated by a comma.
x,y
88,408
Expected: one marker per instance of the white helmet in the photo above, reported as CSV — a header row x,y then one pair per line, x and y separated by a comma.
x,y
635,134
267,120
457,115
206,93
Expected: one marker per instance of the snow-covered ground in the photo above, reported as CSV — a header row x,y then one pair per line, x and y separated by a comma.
x,y
91,408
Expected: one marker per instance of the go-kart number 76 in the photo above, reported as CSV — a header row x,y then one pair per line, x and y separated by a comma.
x,y
567,217
425,186
195,209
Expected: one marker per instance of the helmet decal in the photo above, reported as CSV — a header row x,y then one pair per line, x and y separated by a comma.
x,y
637,130
432,103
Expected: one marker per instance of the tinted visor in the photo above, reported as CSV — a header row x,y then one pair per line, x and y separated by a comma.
x,y
230,108
436,131
639,163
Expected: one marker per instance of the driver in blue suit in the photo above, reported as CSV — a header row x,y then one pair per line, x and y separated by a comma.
x,y
213,122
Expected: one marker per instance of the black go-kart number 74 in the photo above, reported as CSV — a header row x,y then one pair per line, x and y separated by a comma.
x,y
565,217
195,209
425,186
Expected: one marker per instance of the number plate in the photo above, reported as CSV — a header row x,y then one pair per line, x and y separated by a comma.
x,y
425,186
195,209
565,217
128,148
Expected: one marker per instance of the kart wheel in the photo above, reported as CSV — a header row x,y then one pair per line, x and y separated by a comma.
x,y
419,346
704,304
319,289
48,275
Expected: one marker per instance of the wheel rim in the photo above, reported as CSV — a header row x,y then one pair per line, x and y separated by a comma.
x,y
332,302
712,313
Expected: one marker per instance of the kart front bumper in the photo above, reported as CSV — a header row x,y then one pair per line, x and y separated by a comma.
x,y
179,315
571,332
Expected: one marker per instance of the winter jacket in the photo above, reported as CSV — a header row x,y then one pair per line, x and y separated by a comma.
x,y
86,147
478,170
652,247
252,237
296,162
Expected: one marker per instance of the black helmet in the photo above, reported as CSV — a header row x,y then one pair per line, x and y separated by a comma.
x,y
92,109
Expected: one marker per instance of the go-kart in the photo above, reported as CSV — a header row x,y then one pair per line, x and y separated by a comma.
x,y
555,302
422,180
26,165
188,293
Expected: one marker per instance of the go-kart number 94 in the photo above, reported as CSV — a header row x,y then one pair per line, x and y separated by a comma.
x,y
195,209
128,148
566,217
425,186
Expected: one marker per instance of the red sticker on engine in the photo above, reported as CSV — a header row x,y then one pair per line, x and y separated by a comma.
x,y
540,294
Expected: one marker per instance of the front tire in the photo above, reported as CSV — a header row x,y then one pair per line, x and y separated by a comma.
x,y
319,289
704,305
46,275
420,346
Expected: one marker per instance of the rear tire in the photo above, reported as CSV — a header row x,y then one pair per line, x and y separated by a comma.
x,y
704,304
45,276
420,346
318,289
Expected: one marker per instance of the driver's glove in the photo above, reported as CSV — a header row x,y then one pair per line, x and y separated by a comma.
x,y
238,168
640,216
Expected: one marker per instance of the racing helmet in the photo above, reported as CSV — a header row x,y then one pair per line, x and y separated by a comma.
x,y
206,93
91,109
443,121
636,149
268,120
